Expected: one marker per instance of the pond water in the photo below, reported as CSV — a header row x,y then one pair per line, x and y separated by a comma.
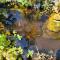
x,y
42,42
13,16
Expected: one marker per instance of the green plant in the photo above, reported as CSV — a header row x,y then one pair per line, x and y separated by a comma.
x,y
10,53
3,14
13,53
30,53
3,41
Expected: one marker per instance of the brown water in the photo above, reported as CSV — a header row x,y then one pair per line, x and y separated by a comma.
x,y
42,42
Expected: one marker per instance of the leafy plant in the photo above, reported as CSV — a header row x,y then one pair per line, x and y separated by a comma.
x,y
30,53
3,41
10,53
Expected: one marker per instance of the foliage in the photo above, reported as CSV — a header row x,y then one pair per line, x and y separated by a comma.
x,y
2,1
46,5
30,53
3,14
18,36
3,41
10,53
25,2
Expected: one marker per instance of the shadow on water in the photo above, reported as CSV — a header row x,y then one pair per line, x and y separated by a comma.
x,y
43,18
13,16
